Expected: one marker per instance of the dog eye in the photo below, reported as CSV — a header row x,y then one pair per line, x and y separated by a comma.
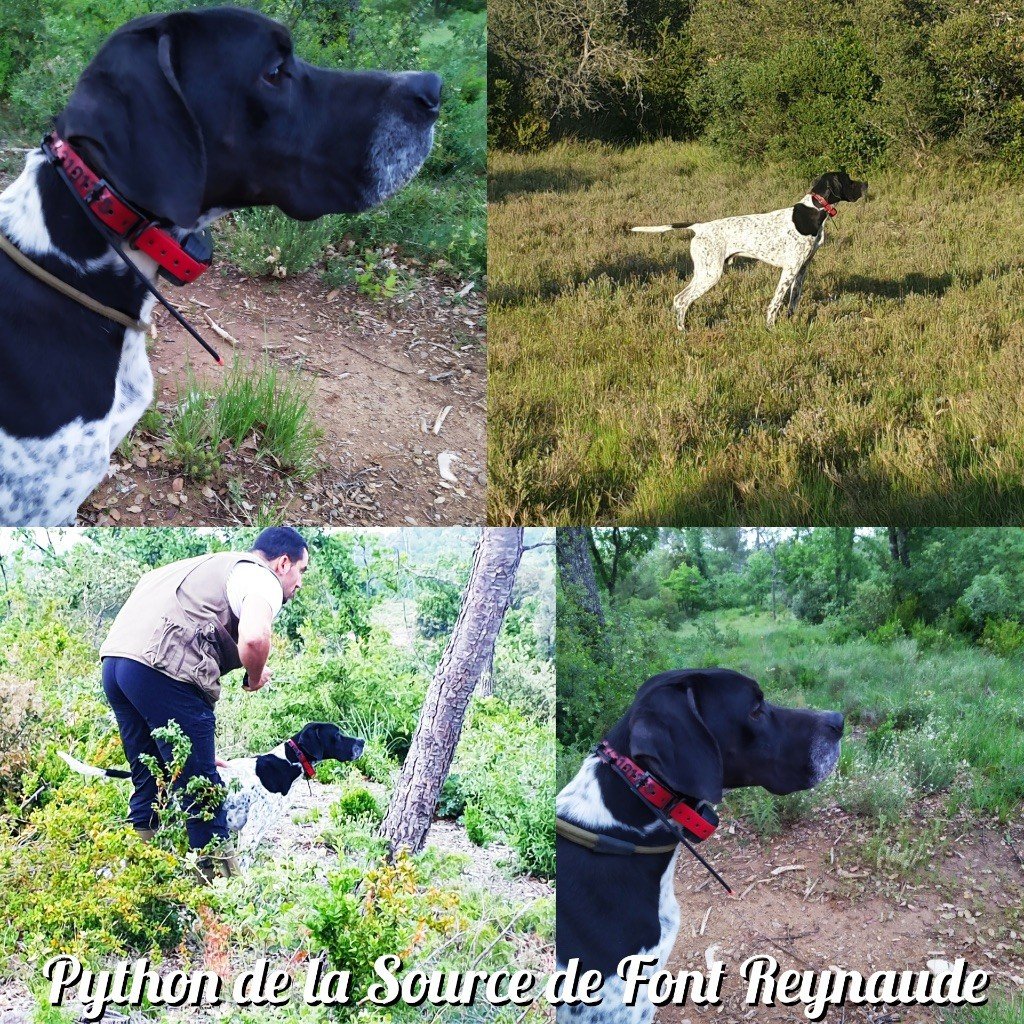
x,y
757,710
275,75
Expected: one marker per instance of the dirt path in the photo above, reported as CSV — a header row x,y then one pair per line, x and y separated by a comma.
x,y
381,372
834,909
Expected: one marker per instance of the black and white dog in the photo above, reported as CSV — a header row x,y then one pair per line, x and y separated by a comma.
x,y
786,238
696,732
180,117
258,787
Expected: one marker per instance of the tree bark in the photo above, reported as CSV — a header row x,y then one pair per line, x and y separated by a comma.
x,y
572,553
468,654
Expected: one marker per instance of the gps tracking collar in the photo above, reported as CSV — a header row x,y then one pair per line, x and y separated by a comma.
x,y
689,821
179,262
115,218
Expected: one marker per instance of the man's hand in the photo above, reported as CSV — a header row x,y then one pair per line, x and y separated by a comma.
x,y
263,680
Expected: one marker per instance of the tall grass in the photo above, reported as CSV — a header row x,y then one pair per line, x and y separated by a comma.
x,y
259,402
892,395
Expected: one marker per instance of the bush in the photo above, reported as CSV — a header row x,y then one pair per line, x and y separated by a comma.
x,y
1003,637
988,597
77,880
534,837
776,107
356,802
360,918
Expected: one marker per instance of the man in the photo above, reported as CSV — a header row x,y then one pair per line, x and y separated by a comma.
x,y
184,626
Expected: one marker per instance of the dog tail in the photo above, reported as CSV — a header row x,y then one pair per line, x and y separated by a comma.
x,y
655,228
88,769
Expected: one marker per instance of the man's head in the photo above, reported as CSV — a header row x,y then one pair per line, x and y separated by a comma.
x,y
287,555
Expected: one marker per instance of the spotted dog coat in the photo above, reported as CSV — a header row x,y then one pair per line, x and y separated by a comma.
x,y
697,731
258,787
786,238
187,115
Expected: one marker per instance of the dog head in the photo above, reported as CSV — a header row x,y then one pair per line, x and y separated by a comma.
x,y
206,110
702,731
322,741
839,187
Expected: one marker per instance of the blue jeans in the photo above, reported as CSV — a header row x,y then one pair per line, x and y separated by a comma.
x,y
143,700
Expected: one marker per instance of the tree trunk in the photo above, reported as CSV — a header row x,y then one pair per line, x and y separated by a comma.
x,y
572,553
468,654
899,545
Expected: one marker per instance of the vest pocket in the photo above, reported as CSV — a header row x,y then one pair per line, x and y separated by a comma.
x,y
185,651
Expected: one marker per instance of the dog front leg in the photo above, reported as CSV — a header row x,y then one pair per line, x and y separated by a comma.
x,y
785,283
797,289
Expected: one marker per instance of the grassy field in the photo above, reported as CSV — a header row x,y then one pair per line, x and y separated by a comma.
x,y
893,395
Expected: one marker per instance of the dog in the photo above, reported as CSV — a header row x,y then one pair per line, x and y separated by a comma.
x,y
258,787
696,732
786,238
178,119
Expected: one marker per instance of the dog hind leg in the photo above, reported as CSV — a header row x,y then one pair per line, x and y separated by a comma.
x,y
708,263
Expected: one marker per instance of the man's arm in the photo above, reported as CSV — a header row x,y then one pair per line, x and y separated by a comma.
x,y
254,640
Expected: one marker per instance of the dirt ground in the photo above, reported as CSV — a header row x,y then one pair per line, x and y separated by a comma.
x,y
811,902
381,372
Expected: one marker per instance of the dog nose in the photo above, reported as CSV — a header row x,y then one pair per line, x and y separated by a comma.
x,y
357,749
422,90
835,721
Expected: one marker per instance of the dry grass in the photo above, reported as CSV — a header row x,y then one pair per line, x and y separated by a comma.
x,y
893,395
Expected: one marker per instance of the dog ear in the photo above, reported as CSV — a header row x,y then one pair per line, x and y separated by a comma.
x,y
668,737
275,774
807,219
128,113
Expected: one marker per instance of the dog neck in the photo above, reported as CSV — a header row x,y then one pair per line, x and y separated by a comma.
x,y
597,799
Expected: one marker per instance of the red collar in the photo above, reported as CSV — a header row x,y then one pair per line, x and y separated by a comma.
x,y
665,801
121,217
307,766
826,206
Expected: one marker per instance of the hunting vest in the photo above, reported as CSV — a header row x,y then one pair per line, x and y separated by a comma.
x,y
179,622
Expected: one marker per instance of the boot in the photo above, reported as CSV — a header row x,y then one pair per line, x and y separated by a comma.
x,y
147,835
220,863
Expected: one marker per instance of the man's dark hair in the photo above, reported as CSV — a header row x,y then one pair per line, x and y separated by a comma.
x,y
276,541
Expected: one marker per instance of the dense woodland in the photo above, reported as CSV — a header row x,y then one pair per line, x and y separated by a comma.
x,y
362,645
850,82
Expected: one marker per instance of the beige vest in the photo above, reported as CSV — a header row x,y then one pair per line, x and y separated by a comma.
x,y
178,621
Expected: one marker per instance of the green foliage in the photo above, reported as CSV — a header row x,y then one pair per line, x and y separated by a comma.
x,y
361,917
500,803
689,588
77,880
989,597
815,84
356,802
1003,637
263,242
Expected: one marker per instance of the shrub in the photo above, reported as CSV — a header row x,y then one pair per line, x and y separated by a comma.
x,y
534,837
263,242
387,911
878,790
476,822
988,597
1003,637
356,802
77,880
